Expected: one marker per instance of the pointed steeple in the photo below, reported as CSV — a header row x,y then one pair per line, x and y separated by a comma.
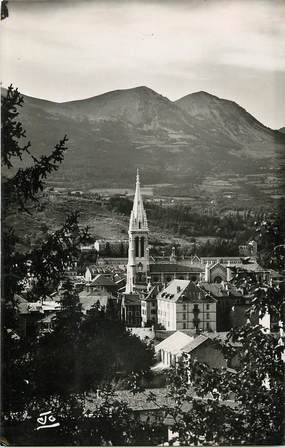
x,y
138,261
138,220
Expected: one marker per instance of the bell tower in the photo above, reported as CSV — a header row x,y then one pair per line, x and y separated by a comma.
x,y
138,259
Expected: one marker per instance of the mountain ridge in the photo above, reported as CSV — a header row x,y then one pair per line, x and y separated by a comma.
x,y
179,142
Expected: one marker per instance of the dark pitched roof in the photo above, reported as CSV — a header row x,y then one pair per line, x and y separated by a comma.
x,y
151,295
215,289
132,298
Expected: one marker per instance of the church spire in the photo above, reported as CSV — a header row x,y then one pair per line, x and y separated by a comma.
x,y
138,261
138,220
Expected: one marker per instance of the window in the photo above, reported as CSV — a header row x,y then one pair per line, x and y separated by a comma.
x,y
208,316
152,311
208,325
136,247
184,306
142,247
207,306
184,325
184,316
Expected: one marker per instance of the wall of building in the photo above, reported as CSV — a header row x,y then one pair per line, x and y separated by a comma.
x,y
165,277
206,353
177,316
166,314
206,315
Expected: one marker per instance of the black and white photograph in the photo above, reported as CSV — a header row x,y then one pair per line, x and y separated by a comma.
x,y
142,222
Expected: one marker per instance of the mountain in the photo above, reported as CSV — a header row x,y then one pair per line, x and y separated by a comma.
x,y
225,118
282,129
179,143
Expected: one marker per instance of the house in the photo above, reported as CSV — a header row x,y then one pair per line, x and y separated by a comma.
x,y
169,350
35,314
102,282
203,349
149,306
89,297
185,305
131,309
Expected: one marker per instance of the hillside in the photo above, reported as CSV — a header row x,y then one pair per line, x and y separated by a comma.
x,y
182,143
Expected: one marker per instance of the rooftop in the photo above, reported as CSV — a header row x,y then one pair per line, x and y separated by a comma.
x,y
181,290
175,342
102,280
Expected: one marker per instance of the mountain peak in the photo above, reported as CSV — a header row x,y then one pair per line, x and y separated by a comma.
x,y
200,95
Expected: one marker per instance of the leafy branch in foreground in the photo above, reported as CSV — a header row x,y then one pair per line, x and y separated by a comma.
x,y
12,130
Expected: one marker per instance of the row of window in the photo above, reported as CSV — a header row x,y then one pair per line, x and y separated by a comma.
x,y
185,316
168,278
137,313
208,326
196,306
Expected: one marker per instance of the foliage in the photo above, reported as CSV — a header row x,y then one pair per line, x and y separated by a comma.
x,y
271,235
121,205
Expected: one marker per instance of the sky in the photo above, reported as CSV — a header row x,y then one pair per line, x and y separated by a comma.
x,y
63,50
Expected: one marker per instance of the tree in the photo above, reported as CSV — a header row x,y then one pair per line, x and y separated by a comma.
x,y
34,272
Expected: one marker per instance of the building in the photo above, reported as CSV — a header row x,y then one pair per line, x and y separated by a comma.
x,y
185,305
203,349
34,315
138,256
138,261
216,273
90,296
149,306
226,297
131,309
111,247
162,273
102,282
249,249
169,350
